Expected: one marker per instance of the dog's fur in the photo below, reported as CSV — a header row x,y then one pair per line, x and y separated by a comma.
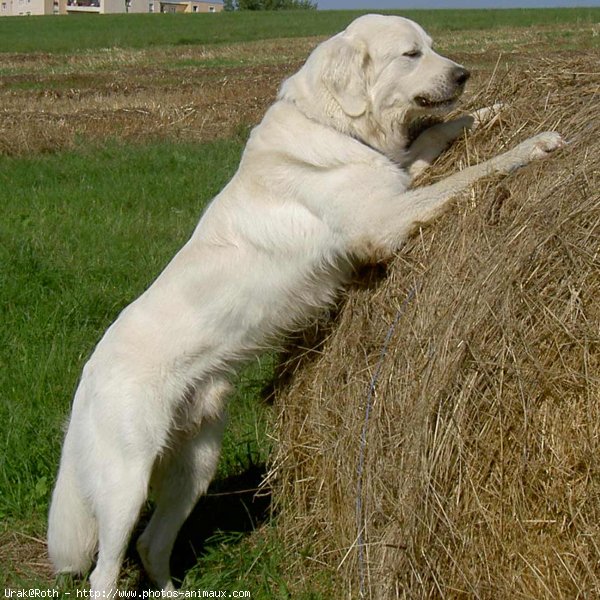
x,y
323,184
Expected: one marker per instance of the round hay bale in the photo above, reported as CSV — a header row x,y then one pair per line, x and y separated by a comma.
x,y
443,441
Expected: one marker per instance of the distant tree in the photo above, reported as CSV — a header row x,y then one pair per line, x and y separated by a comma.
x,y
269,4
249,4
288,4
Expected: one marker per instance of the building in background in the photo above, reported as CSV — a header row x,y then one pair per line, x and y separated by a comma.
x,y
184,6
26,7
64,7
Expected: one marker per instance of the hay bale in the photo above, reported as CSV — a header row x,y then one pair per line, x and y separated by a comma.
x,y
472,469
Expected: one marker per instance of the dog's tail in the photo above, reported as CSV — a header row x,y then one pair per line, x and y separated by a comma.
x,y
72,528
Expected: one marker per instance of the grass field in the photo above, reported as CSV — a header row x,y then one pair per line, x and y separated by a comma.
x,y
114,133
80,32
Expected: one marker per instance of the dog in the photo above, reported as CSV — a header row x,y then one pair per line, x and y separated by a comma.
x,y
324,184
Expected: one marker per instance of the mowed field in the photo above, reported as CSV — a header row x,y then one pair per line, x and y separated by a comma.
x,y
114,134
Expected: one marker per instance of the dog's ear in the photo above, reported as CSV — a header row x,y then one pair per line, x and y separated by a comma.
x,y
344,74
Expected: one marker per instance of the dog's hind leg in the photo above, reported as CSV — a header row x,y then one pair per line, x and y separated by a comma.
x,y
180,478
121,435
117,505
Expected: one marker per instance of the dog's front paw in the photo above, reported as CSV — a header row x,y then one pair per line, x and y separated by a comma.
x,y
540,145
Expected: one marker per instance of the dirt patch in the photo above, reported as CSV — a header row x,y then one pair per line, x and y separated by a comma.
x,y
202,105
195,94
25,558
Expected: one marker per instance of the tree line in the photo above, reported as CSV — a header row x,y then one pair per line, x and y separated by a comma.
x,y
270,4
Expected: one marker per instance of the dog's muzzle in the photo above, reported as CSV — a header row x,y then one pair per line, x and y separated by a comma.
x,y
458,78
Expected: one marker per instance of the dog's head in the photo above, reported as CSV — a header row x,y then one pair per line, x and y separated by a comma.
x,y
376,76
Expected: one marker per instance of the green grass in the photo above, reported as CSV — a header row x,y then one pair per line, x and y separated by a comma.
x,y
81,235
87,32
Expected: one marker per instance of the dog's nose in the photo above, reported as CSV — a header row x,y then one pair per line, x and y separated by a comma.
x,y
461,75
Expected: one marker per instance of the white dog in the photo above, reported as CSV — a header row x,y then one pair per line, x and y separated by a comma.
x,y
323,184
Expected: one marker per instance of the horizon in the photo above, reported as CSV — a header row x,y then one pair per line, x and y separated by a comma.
x,y
451,4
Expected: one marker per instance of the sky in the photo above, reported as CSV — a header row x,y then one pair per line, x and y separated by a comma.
x,y
400,4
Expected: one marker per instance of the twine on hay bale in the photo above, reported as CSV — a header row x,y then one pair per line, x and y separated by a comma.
x,y
480,474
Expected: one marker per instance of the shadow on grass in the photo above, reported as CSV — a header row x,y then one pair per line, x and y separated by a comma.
x,y
231,505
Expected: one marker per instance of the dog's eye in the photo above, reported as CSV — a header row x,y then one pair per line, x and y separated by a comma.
x,y
413,54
